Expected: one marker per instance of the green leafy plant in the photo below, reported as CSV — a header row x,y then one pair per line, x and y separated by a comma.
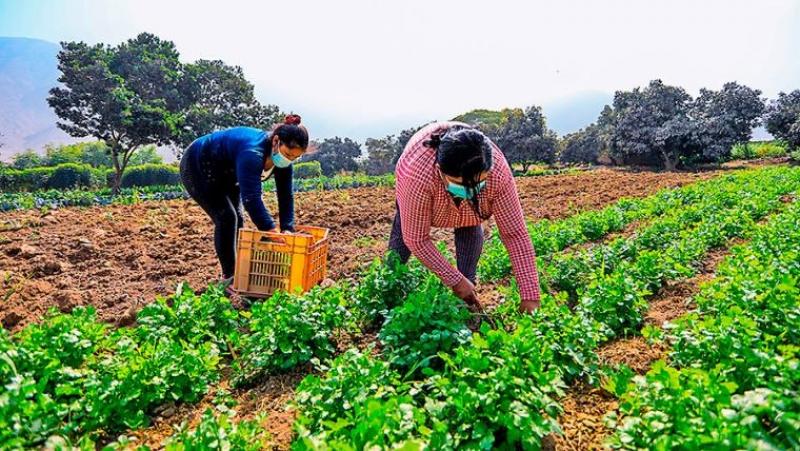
x,y
287,330
219,432
429,321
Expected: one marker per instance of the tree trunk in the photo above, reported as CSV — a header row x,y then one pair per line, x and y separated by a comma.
x,y
669,163
117,171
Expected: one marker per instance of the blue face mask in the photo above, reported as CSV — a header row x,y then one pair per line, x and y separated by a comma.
x,y
279,160
461,192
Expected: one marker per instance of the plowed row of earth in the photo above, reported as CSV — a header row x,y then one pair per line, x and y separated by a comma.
x,y
117,258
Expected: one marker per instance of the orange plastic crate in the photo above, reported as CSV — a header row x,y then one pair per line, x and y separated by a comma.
x,y
270,261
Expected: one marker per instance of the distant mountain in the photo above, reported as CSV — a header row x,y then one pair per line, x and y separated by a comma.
x,y
28,70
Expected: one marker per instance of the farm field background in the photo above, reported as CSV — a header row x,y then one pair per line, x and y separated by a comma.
x,y
623,268
117,258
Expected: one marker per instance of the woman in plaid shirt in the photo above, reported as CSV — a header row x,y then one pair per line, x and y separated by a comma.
x,y
450,175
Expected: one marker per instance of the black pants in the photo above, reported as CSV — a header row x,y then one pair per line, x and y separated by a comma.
x,y
222,203
469,245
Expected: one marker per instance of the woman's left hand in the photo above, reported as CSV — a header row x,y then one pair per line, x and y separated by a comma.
x,y
528,306
487,231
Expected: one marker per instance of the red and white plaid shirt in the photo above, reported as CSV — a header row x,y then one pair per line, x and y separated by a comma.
x,y
424,202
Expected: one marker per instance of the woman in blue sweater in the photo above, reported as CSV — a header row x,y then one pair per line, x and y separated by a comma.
x,y
223,171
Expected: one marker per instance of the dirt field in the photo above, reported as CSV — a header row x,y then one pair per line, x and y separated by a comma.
x,y
119,258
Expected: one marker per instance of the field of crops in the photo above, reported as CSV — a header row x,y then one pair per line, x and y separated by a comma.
x,y
390,359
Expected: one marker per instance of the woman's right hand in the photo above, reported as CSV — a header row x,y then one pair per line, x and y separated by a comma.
x,y
466,291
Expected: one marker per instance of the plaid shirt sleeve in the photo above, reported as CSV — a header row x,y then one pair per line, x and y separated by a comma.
x,y
416,205
513,232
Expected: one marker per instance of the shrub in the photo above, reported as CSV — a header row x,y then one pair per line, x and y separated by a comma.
x,y
770,149
307,170
150,174
70,175
742,151
760,149
64,176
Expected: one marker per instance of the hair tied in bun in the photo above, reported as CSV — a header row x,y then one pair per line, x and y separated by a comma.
x,y
292,119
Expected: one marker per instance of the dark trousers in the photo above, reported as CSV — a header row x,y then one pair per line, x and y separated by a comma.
x,y
222,204
469,245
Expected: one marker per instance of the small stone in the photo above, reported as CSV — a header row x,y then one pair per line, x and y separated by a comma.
x,y
28,251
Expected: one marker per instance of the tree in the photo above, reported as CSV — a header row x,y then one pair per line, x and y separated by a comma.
x,y
725,118
783,118
336,155
128,96
652,123
218,96
97,154
381,153
583,146
525,138
147,155
55,155
488,121
27,159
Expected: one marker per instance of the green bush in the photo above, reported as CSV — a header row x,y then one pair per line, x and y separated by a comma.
x,y
758,149
64,176
27,159
307,170
70,175
34,178
150,174
743,151
770,149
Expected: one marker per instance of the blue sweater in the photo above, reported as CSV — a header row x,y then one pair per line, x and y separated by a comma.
x,y
237,156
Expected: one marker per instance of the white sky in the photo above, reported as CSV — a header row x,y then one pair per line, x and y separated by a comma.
x,y
364,64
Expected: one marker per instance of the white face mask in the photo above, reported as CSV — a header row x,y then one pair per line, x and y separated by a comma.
x,y
279,160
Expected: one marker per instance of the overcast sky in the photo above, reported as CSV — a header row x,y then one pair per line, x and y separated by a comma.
x,y
364,64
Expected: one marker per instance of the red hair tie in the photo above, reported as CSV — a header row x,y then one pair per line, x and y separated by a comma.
x,y
292,119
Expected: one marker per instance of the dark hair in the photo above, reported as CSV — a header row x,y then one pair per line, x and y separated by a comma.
x,y
291,133
463,152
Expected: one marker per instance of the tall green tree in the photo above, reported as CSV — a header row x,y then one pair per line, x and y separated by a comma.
x,y
96,154
725,118
583,146
525,138
383,153
380,155
653,123
783,118
219,96
336,155
27,159
128,96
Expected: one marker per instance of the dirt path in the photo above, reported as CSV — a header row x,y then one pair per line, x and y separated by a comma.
x,y
119,258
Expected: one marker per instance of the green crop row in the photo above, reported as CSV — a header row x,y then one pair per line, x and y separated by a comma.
x,y
733,377
73,376
502,388
552,236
